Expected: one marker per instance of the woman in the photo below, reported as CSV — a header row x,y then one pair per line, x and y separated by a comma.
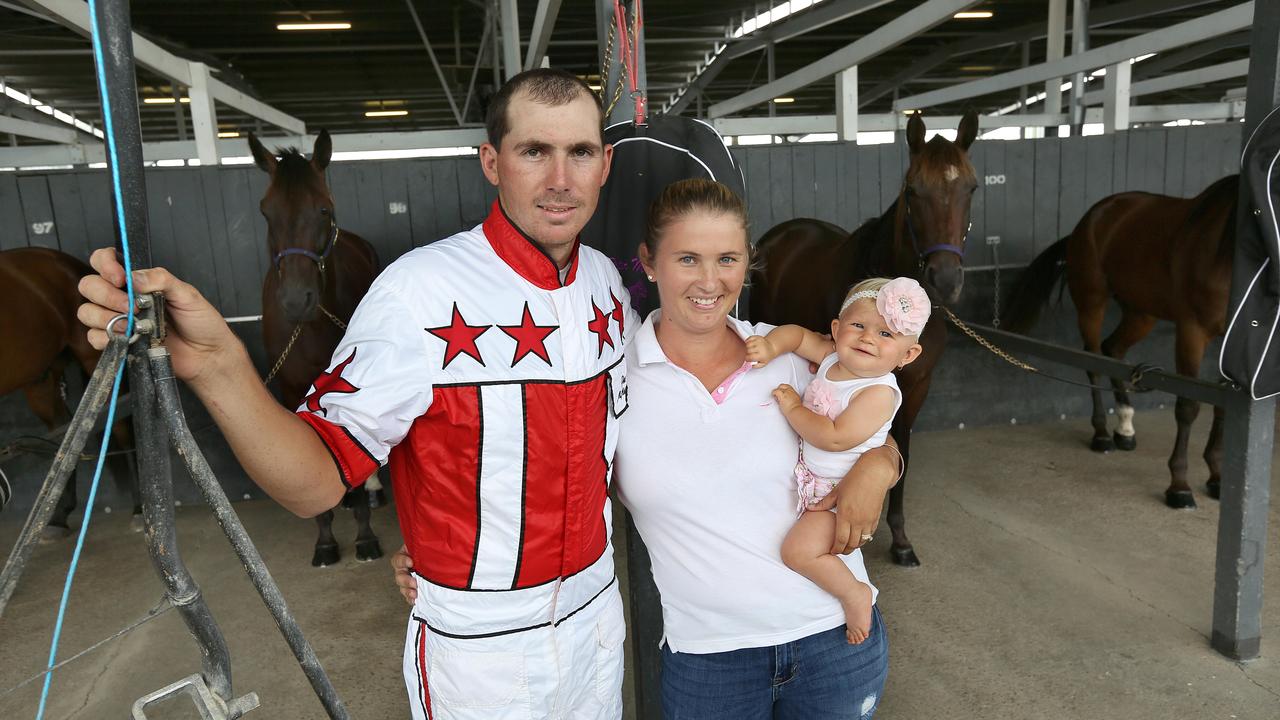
x,y
704,464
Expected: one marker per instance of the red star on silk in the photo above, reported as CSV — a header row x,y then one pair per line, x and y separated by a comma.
x,y
618,314
530,337
331,382
600,326
459,337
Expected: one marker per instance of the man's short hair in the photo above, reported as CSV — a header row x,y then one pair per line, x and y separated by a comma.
x,y
548,86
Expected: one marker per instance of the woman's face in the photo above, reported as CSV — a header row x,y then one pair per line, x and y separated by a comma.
x,y
699,265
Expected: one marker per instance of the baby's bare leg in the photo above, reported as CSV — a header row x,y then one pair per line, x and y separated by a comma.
x,y
807,550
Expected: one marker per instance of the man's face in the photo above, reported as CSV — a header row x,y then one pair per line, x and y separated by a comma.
x,y
550,169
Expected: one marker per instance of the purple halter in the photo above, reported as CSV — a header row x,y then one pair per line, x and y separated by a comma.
x,y
317,259
940,247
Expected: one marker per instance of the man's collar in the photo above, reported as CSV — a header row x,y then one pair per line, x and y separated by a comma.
x,y
649,351
522,254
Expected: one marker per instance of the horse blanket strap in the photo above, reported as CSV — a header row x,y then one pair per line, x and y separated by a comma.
x,y
318,259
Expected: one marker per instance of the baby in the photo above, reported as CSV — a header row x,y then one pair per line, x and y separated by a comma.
x,y
847,410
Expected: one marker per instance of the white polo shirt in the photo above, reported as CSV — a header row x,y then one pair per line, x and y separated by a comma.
x,y
711,490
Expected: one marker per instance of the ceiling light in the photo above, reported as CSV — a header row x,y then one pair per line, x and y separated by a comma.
x,y
385,113
784,99
163,100
229,134
973,15
314,26
977,68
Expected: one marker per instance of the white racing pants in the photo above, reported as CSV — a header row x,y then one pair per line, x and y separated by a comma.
x,y
570,671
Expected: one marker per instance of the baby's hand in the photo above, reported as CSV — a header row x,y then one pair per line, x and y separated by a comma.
x,y
760,351
787,397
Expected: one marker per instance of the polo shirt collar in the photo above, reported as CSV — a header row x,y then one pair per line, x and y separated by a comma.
x,y
649,351
522,254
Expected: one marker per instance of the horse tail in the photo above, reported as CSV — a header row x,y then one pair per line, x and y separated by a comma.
x,y
1034,287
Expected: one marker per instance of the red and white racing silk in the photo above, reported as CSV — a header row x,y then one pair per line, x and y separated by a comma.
x,y
493,390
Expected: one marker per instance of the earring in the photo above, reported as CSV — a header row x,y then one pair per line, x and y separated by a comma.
x,y
650,277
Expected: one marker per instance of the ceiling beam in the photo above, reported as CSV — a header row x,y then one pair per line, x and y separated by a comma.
x,y
1190,78
1162,64
544,21
74,14
791,27
896,31
1213,25
58,133
1100,17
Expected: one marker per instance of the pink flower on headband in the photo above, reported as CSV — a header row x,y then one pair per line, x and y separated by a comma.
x,y
904,305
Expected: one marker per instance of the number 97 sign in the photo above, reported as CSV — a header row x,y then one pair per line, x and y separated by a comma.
x,y
42,228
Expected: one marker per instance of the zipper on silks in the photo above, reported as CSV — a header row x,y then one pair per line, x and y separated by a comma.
x,y
555,645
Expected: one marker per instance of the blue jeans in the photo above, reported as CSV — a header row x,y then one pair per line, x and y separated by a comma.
x,y
820,676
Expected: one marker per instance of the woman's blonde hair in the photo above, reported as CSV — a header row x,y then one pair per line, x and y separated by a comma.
x,y
683,197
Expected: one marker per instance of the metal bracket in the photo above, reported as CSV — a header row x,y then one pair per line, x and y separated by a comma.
x,y
207,703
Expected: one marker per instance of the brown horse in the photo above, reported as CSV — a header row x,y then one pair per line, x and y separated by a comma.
x,y
1161,258
806,266
42,337
319,274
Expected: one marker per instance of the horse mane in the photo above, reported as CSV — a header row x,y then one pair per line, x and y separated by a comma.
x,y
292,165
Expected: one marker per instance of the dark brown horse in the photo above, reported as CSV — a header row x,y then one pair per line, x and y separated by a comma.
x,y
319,274
41,338
806,266
1160,258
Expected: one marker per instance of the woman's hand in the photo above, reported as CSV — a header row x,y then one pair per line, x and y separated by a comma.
x,y
196,334
401,564
859,498
760,351
787,397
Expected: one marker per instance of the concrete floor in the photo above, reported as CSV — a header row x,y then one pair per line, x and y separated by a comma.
x,y
1055,585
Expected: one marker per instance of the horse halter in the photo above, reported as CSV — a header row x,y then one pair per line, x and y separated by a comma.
x,y
922,255
319,259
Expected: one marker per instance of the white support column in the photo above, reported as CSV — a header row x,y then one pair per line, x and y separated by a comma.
x,y
204,118
510,38
1115,103
1055,43
847,104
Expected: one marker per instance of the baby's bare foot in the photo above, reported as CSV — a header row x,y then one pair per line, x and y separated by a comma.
x,y
857,614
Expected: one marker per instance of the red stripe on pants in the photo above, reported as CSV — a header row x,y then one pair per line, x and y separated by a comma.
x,y
422,668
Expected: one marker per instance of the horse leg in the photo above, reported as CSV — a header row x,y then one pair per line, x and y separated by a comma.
x,y
326,545
901,551
1213,454
377,498
367,547
1133,327
45,400
1190,343
1089,321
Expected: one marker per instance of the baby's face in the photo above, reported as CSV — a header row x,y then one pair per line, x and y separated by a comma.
x,y
866,346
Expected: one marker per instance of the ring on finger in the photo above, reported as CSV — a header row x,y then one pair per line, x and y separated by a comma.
x,y
867,538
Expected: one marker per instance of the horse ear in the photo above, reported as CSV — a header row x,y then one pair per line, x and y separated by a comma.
x,y
262,157
968,131
915,133
323,151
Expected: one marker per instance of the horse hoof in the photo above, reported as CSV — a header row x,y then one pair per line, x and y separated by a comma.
x,y
1126,442
904,556
377,499
325,555
1180,499
367,550
1214,488
1102,444
54,533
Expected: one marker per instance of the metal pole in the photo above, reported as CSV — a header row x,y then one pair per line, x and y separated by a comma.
x,y
771,71
1054,41
1079,44
1248,427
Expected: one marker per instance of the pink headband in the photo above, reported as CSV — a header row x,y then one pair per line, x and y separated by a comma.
x,y
902,303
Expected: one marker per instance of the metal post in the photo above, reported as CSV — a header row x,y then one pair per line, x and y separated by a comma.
x,y
510,38
772,75
178,117
204,118
1248,427
1055,41
847,105
1115,102
1024,93
1079,44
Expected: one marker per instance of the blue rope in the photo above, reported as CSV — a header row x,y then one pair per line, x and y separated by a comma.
x,y
115,387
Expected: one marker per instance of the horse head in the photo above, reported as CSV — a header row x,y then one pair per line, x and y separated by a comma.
x,y
301,227
933,208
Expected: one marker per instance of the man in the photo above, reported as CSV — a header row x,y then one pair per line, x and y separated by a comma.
x,y
487,370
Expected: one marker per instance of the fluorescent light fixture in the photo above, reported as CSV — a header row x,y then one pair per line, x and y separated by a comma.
x,y
594,87
229,134
313,26
773,15
164,100
973,15
385,113
977,68
784,100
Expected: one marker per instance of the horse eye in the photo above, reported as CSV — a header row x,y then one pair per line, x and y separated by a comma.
x,y
324,211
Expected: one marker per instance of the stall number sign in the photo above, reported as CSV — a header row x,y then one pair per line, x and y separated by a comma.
x,y
398,208
995,179
42,228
